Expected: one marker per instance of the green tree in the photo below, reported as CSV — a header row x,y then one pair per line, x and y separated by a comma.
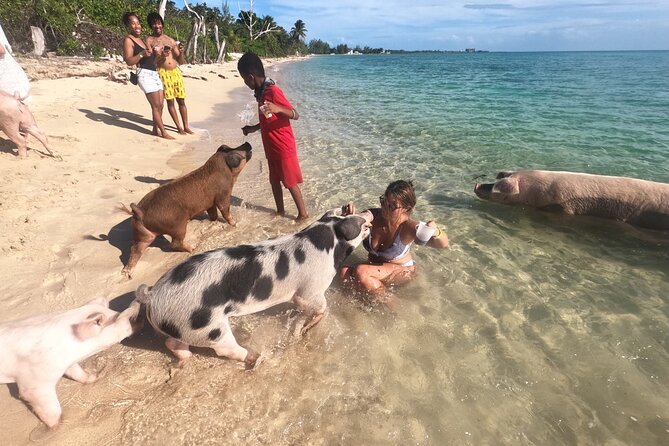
x,y
298,32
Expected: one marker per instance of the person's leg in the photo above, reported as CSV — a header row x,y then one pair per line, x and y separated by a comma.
x,y
374,277
277,191
183,111
175,117
156,100
296,193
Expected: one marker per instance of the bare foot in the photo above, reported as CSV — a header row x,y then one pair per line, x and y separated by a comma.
x,y
168,136
181,131
280,214
188,130
300,218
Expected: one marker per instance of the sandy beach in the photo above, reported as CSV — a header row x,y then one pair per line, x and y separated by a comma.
x,y
65,240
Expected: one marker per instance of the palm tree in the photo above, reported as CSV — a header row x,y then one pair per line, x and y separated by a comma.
x,y
298,32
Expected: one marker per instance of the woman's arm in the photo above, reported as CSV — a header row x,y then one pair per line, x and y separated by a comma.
x,y
128,49
440,239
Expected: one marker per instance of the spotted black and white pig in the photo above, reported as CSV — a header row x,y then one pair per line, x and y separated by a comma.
x,y
37,351
191,303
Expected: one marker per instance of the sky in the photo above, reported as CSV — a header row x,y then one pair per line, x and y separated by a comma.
x,y
453,25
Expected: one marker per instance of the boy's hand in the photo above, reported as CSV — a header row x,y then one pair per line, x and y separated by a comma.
x,y
248,129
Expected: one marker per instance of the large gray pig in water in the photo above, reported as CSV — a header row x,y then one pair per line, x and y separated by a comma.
x,y
192,302
637,202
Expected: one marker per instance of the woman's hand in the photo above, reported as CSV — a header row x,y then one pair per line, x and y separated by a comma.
x,y
348,209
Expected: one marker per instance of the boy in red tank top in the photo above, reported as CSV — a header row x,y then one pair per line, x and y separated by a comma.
x,y
274,113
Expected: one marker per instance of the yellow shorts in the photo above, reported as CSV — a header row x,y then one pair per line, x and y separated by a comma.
x,y
173,82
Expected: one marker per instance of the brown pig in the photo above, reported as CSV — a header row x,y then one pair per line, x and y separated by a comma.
x,y
637,202
168,208
37,351
15,119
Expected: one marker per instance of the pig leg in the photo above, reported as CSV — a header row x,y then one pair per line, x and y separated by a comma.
x,y
227,346
224,206
44,402
314,309
213,213
41,137
17,138
180,349
76,373
143,239
178,240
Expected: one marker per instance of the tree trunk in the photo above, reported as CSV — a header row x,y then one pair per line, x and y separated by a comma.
x,y
161,8
38,40
219,45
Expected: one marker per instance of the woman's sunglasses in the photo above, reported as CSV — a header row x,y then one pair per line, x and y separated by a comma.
x,y
391,206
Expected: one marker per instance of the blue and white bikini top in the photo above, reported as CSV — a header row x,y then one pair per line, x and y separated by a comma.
x,y
395,251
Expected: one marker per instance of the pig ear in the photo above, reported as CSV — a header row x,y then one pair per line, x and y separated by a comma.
x,y
506,186
504,174
90,327
233,160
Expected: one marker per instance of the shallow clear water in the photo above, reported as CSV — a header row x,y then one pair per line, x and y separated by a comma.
x,y
532,328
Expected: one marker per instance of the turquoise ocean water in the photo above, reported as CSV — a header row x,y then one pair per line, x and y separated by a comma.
x,y
532,328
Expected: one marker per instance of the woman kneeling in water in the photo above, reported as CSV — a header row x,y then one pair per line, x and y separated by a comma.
x,y
389,242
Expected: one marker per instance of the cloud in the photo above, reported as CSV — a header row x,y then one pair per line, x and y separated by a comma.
x,y
489,6
510,26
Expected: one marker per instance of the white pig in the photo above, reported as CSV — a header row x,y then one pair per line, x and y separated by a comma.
x,y
37,351
16,121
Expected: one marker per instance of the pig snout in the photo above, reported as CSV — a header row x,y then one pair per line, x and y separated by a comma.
x,y
131,316
483,190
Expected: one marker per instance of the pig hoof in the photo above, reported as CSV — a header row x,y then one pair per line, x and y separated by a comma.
x,y
250,360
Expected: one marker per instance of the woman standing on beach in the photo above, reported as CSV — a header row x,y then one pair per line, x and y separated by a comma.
x,y
136,52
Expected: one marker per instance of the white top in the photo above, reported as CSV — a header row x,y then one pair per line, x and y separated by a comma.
x,y
13,79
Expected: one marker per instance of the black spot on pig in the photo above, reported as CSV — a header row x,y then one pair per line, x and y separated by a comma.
x,y
243,252
200,318
349,228
282,266
342,251
183,271
299,256
320,236
228,309
214,334
263,288
170,329
327,218
235,285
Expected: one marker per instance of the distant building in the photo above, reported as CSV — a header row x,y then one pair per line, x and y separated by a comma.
x,y
470,50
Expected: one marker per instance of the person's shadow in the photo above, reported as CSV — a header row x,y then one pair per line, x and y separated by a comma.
x,y
113,120
123,119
